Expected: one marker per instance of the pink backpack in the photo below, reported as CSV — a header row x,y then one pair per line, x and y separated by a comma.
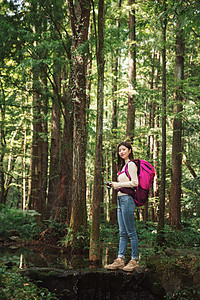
x,y
146,175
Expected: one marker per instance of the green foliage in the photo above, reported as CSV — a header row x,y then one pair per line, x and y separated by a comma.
x,y
54,230
79,241
146,232
175,267
109,234
24,222
185,293
15,286
189,236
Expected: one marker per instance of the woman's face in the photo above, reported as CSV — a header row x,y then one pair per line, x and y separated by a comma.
x,y
124,152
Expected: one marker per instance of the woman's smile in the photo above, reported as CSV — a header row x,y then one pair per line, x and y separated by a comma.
x,y
124,152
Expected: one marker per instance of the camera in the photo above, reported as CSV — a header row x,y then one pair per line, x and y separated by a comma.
x,y
108,184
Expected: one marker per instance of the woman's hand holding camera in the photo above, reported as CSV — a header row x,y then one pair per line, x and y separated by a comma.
x,y
108,184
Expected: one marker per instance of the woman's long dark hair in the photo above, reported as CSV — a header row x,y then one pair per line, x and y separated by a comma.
x,y
121,161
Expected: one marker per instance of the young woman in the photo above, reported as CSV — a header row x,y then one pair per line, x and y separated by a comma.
x,y
126,208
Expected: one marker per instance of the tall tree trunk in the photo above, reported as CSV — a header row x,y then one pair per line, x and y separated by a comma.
x,y
132,73
108,201
161,220
156,144
113,206
113,210
66,168
97,198
3,144
36,171
23,206
55,150
175,193
63,149
89,70
151,116
45,143
39,147
89,185
79,14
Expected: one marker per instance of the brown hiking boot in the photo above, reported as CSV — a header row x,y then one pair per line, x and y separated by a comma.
x,y
133,264
116,265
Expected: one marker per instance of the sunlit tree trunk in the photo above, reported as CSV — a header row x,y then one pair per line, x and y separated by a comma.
x,y
156,144
24,141
45,142
108,197
151,116
89,71
3,144
79,13
161,218
175,193
88,92
113,210
132,73
36,171
97,197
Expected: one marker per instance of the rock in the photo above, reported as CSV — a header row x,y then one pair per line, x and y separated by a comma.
x,y
14,247
12,232
98,285
14,238
8,236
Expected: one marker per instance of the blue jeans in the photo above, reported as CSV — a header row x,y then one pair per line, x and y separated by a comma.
x,y
125,214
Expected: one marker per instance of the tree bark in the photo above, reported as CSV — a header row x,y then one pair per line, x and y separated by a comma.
x,y
156,144
175,192
79,14
66,168
38,176
3,144
151,123
24,145
39,151
55,149
132,74
97,198
113,210
161,219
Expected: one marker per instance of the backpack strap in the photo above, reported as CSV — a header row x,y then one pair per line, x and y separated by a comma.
x,y
137,162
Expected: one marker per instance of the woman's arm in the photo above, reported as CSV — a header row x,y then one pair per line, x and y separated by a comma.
x,y
132,170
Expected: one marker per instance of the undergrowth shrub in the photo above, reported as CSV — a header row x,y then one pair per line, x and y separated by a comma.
x,y
187,236
15,286
80,240
109,233
185,293
24,222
